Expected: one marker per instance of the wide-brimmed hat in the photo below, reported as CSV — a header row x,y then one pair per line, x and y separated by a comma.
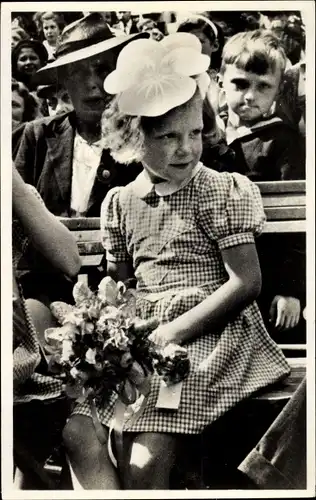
x,y
84,38
153,77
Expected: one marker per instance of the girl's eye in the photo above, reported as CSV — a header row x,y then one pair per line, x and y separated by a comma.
x,y
167,136
197,132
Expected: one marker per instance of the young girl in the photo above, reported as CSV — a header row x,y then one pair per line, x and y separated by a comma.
x,y
187,234
51,24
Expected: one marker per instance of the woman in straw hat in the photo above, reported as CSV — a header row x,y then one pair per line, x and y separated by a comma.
x,y
61,156
187,233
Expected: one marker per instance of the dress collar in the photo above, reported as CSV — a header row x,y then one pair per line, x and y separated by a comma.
x,y
143,185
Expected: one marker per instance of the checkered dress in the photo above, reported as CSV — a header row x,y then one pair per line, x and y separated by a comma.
x,y
175,242
28,384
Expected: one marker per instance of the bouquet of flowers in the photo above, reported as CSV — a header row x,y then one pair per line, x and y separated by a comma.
x,y
101,346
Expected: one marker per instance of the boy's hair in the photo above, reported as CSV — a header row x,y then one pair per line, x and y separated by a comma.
x,y
256,51
124,135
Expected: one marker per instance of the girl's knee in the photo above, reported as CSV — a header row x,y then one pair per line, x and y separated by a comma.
x,y
78,432
151,459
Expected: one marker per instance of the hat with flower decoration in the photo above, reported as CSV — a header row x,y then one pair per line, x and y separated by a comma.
x,y
153,77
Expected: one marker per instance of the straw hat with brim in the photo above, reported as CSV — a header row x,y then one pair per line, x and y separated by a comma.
x,y
84,38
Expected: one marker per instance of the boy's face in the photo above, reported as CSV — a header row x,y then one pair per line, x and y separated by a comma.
x,y
250,95
173,146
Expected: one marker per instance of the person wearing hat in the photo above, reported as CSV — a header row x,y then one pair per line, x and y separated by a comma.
x,y
62,155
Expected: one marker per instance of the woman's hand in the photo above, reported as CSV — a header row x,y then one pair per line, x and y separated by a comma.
x,y
285,312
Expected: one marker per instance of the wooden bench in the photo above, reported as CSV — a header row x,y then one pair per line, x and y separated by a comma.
x,y
284,204
285,207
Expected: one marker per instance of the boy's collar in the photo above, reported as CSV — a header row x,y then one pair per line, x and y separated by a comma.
x,y
235,131
142,185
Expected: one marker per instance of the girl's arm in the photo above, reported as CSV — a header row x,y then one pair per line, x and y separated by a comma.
x,y
243,286
120,271
49,236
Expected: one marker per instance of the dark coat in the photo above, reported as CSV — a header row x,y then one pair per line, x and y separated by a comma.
x,y
43,152
272,151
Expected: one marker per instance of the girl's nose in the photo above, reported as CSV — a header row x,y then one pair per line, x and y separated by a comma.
x,y
184,146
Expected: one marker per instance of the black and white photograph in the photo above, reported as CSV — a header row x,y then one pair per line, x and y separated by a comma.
x,y
157,256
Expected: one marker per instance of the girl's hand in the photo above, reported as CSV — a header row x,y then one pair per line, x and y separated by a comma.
x,y
285,312
162,335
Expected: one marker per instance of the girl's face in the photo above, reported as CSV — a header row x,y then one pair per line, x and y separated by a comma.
x,y
51,31
28,61
173,146
207,47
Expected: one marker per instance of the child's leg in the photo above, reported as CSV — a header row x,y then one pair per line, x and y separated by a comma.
x,y
150,460
88,457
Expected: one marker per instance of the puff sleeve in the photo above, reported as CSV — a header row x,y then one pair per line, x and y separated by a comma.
x,y
231,210
112,227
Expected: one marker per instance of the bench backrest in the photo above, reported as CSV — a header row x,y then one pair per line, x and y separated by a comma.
x,y
284,203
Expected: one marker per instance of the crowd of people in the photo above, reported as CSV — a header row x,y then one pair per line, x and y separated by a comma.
x,y
160,123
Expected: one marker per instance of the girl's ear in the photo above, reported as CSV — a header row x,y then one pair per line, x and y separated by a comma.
x,y
219,80
215,46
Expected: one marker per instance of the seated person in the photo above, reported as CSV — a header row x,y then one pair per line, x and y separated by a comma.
x,y
35,424
62,155
266,148
282,298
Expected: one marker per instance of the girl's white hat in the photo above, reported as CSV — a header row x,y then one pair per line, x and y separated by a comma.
x,y
153,77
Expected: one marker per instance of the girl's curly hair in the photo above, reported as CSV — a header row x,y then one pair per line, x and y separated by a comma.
x,y
124,135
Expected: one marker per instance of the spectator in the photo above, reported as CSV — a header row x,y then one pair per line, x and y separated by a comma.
x,y
212,40
17,35
283,294
110,17
252,69
51,25
266,149
62,155
25,107
126,24
148,25
57,98
27,57
210,36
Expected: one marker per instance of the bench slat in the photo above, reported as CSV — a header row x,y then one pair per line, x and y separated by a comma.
x,y
91,260
282,187
283,200
286,388
81,222
285,226
82,236
285,213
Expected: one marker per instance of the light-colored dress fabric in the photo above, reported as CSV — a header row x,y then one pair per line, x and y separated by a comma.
x,y
175,242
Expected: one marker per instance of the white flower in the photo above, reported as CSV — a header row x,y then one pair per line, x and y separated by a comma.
x,y
90,356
